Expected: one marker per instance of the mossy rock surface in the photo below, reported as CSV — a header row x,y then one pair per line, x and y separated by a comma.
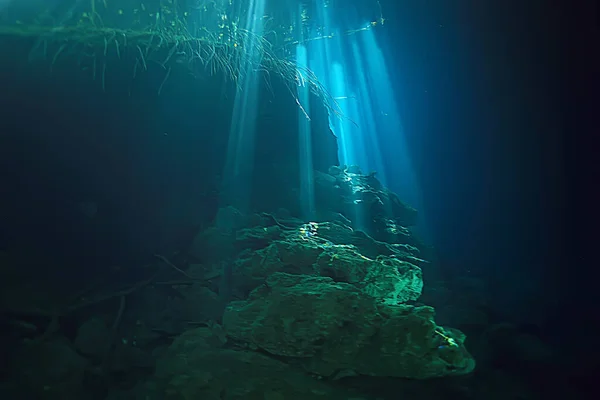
x,y
332,328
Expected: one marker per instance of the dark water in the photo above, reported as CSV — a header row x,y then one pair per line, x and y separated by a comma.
x,y
286,200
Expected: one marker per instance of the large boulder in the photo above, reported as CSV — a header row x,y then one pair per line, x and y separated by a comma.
x,y
199,365
334,329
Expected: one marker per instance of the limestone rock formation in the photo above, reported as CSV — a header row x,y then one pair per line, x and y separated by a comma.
x,y
332,328
385,277
200,365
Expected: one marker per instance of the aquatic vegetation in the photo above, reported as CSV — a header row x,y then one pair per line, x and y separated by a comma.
x,y
224,38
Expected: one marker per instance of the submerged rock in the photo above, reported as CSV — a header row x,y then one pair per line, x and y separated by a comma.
x,y
199,366
332,328
386,278
49,370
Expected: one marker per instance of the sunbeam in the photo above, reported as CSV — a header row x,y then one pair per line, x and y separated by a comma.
x,y
239,165
370,134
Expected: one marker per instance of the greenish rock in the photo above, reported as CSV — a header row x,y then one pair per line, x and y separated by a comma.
x,y
256,237
386,278
199,365
342,234
334,329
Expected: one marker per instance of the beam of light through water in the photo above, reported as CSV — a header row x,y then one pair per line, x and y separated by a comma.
x,y
353,68
307,191
386,120
307,194
239,165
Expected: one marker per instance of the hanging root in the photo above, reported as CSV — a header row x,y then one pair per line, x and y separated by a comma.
x,y
58,52
142,56
164,80
235,56
171,52
301,108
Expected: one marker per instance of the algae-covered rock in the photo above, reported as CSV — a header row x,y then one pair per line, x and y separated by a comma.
x,y
386,278
333,328
197,365
389,279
